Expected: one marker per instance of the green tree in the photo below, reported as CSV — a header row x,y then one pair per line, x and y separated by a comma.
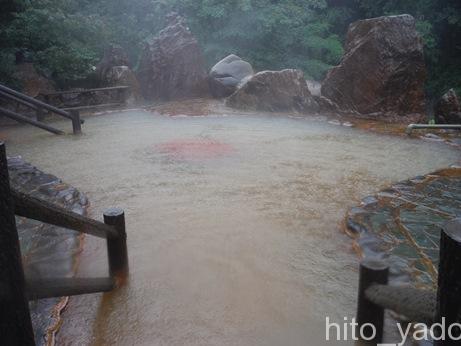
x,y
270,34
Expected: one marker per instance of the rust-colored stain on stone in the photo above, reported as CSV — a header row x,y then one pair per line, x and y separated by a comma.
x,y
403,223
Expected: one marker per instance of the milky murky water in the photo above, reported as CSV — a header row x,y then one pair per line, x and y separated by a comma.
x,y
233,222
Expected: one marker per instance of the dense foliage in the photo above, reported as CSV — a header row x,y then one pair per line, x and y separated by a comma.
x,y
65,38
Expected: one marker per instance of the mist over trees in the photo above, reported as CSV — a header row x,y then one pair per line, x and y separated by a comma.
x,y
66,38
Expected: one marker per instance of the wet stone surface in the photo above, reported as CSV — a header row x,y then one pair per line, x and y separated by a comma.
x,y
402,224
47,251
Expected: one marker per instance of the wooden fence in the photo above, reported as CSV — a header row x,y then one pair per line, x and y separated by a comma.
x,y
40,108
420,306
15,289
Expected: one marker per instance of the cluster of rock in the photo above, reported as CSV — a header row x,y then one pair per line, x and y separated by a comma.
x,y
381,74
172,67
274,91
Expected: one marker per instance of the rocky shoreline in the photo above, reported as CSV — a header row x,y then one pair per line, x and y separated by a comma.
x,y
47,250
402,224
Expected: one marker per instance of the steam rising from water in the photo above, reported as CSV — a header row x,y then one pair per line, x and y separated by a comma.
x,y
232,222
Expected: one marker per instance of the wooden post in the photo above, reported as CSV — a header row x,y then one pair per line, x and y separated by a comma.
x,y
371,272
449,290
116,246
76,123
39,114
121,95
15,322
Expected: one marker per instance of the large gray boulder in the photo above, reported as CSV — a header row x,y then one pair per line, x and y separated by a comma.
x,y
447,110
382,72
227,74
172,65
274,91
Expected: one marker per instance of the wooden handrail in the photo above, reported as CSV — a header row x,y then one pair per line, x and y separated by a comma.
x,y
40,210
30,100
18,100
84,91
53,287
22,118
83,108
431,308
15,320
39,106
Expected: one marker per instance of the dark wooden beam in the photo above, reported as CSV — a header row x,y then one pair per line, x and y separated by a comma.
x,y
63,287
83,108
15,99
449,290
22,118
15,322
371,272
40,210
116,247
58,93
35,102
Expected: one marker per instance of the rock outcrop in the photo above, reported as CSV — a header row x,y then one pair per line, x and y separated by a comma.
x,y
447,110
114,70
382,71
123,76
274,91
33,83
113,56
172,64
227,74
314,87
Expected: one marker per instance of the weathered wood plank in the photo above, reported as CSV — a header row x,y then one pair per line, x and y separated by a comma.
x,y
63,287
84,91
15,322
116,247
415,304
104,105
30,121
371,272
449,283
35,102
15,99
40,210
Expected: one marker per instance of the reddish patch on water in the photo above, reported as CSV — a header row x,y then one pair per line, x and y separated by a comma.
x,y
197,149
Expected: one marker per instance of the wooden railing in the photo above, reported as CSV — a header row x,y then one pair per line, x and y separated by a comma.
x,y
72,113
440,308
39,107
120,99
15,290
